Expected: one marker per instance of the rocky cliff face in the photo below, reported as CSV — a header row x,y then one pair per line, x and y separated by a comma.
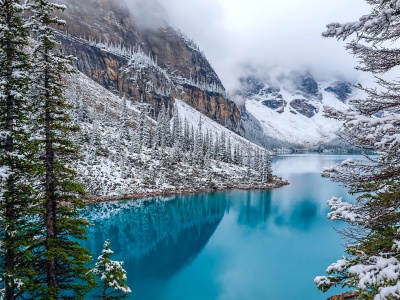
x,y
154,63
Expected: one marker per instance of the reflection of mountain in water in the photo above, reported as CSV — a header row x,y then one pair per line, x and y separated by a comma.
x,y
155,238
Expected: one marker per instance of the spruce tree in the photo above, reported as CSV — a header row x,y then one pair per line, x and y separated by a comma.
x,y
112,275
63,262
124,120
18,165
229,151
372,260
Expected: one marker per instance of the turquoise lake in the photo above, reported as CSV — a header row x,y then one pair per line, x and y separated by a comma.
x,y
233,245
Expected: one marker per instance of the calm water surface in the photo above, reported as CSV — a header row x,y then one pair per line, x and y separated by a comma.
x,y
235,245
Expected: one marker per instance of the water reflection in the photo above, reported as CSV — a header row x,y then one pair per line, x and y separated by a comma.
x,y
255,209
155,238
226,245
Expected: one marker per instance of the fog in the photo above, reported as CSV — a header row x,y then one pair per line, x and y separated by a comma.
x,y
266,34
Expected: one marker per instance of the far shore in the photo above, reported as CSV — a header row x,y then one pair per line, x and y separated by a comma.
x,y
276,183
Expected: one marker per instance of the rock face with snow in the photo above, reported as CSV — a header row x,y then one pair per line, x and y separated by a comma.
x,y
342,90
153,62
307,86
303,107
287,110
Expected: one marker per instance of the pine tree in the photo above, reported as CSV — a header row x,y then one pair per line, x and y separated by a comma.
x,y
62,271
266,167
257,161
186,135
112,275
175,125
19,205
221,155
106,116
198,144
124,129
229,151
372,262
147,135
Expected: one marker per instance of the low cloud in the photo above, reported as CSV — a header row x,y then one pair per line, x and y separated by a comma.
x,y
148,13
266,34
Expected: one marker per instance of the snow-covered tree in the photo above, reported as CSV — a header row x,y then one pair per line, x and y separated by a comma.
x,y
124,126
373,237
112,275
60,256
19,206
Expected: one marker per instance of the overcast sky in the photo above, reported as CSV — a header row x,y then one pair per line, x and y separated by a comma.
x,y
283,33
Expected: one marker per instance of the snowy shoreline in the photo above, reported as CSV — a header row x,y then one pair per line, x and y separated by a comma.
x,y
277,183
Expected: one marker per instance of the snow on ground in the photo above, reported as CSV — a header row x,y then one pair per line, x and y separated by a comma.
x,y
193,117
110,166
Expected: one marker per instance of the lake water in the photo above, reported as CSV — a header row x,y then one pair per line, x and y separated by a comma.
x,y
234,245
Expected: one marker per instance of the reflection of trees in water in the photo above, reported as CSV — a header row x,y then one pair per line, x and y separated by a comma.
x,y
156,238
256,208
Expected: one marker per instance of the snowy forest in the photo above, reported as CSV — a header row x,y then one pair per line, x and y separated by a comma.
x,y
124,152
65,140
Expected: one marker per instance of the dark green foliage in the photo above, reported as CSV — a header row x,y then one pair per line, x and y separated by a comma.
x,y
18,164
61,260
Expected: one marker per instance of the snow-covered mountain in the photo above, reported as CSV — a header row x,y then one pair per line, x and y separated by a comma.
x,y
289,109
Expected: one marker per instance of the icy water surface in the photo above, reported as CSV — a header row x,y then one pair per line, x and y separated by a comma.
x,y
234,245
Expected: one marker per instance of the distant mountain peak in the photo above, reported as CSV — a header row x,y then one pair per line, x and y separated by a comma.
x,y
287,107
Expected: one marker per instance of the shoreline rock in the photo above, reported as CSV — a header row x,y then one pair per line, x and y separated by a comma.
x,y
351,295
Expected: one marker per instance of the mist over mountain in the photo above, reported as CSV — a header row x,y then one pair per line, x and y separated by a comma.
x,y
284,108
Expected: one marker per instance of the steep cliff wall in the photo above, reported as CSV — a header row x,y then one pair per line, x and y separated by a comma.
x,y
156,64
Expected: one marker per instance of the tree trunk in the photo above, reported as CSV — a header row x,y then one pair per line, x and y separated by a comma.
x,y
50,186
104,291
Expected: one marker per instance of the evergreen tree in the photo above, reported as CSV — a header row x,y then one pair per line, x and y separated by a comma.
x,y
124,128
158,136
62,271
372,262
112,275
229,151
186,135
83,113
175,125
19,205
257,161
221,154
198,144
96,136
191,138
106,116
266,169
147,134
